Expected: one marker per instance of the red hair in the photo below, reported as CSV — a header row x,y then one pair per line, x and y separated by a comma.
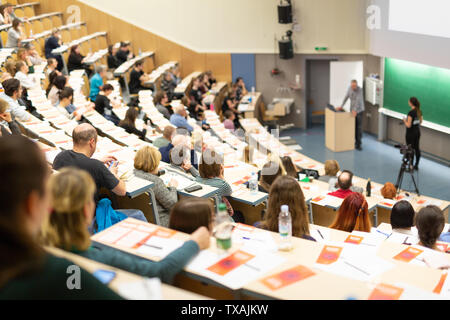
x,y
353,214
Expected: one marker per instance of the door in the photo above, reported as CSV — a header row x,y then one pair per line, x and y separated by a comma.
x,y
318,90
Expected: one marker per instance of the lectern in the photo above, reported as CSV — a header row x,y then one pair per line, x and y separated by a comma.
x,y
339,131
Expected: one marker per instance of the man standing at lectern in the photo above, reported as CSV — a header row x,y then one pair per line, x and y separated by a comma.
x,y
355,93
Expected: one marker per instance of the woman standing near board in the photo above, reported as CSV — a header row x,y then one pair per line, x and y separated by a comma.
x,y
412,123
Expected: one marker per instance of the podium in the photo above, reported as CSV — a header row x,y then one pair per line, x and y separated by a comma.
x,y
339,131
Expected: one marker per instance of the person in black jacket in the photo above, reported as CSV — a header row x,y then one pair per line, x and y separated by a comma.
x,y
113,62
124,53
53,42
103,104
129,123
76,61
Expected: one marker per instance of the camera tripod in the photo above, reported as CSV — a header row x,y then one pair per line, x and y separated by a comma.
x,y
406,167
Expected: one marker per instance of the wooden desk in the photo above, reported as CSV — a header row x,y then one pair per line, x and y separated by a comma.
x,y
250,110
168,292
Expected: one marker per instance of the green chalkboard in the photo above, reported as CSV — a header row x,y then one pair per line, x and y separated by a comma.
x,y
431,85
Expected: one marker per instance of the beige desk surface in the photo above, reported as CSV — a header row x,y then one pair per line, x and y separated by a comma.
x,y
168,292
324,285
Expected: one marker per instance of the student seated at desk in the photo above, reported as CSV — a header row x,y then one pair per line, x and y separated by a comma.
x,y
103,104
241,91
52,65
179,141
402,218
190,214
179,118
389,191
84,146
344,183
129,123
166,139
201,118
175,75
211,80
286,191
52,43
161,101
22,74
180,160
124,53
22,55
96,82
138,78
27,271
211,171
290,167
430,223
113,62
228,123
65,106
15,35
331,170
7,124
12,93
72,206
196,93
353,215
55,86
168,85
269,173
146,166
76,61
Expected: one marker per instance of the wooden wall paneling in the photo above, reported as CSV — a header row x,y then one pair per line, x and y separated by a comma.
x,y
167,51
221,64
191,62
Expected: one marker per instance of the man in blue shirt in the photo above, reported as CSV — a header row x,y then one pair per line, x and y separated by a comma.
x,y
178,119
97,82
179,141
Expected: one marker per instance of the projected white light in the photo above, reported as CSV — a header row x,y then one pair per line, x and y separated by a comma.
x,y
426,17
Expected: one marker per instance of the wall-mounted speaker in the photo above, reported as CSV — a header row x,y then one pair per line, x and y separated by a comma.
x,y
285,13
286,49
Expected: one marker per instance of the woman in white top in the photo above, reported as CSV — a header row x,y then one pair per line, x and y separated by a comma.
x,y
15,35
65,106
22,75
59,83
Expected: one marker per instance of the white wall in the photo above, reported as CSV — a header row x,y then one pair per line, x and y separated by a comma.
x,y
416,47
245,26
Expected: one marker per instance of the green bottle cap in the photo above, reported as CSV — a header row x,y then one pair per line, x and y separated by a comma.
x,y
222,207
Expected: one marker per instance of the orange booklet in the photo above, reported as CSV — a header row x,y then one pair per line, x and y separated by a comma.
x,y
329,255
318,199
408,254
386,292
442,246
354,239
440,284
285,278
231,262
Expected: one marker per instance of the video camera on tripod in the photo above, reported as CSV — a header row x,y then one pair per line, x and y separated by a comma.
x,y
407,166
408,154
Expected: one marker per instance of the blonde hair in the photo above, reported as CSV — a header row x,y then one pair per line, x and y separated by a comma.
x,y
331,168
3,106
147,159
66,227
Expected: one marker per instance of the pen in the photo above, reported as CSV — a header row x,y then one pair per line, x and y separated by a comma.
x,y
355,267
152,246
251,267
320,233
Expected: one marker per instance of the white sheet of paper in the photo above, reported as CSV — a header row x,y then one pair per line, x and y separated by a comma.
x,y
147,289
159,247
239,277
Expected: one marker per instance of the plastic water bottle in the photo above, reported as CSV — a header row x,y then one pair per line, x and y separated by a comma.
x,y
253,184
368,188
223,228
285,229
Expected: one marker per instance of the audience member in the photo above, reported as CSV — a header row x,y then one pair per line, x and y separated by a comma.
x,y
353,215
430,223
190,214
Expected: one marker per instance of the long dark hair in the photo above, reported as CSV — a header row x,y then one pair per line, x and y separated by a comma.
x,y
58,81
23,171
289,167
416,103
130,117
190,214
